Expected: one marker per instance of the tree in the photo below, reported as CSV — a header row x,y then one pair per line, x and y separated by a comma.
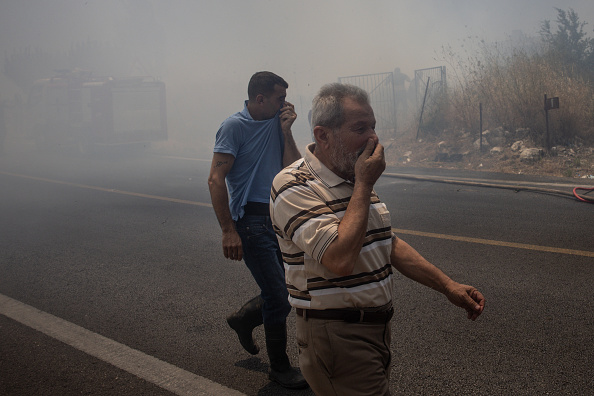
x,y
570,45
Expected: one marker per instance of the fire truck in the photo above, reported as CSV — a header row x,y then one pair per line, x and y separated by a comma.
x,y
75,109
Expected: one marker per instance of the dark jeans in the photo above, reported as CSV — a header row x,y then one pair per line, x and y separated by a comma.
x,y
262,256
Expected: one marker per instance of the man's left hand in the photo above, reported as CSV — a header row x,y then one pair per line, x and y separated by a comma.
x,y
466,297
287,117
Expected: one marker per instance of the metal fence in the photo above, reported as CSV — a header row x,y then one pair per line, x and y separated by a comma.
x,y
432,80
430,88
380,87
393,104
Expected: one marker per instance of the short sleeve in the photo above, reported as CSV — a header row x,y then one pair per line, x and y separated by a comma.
x,y
229,137
303,217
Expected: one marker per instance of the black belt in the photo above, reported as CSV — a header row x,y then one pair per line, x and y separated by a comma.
x,y
347,315
257,209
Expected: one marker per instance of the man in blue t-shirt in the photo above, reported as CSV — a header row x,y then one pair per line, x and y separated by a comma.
x,y
251,147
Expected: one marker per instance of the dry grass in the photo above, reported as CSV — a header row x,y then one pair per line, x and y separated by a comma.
x,y
510,83
576,162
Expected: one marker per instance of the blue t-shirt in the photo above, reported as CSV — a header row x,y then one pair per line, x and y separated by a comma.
x,y
258,150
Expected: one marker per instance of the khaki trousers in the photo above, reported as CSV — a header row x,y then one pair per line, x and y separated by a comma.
x,y
344,359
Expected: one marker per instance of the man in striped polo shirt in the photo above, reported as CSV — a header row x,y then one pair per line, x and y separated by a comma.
x,y
339,250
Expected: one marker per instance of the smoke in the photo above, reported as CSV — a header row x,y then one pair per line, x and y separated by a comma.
x,y
205,51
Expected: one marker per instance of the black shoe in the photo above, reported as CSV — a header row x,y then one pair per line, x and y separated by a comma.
x,y
290,379
244,321
245,335
281,370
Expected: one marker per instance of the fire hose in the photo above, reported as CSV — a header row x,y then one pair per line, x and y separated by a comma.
x,y
575,194
582,197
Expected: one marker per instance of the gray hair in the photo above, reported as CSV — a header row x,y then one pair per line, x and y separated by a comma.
x,y
327,109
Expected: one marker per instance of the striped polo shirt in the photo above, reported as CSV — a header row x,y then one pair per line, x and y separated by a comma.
x,y
307,203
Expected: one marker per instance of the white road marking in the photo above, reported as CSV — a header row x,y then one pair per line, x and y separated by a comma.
x,y
149,368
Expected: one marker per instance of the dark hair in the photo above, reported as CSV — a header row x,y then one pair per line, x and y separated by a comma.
x,y
327,110
263,83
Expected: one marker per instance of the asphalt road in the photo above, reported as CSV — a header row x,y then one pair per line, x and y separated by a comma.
x,y
112,281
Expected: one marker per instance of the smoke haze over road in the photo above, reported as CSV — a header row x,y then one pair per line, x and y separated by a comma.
x,y
205,51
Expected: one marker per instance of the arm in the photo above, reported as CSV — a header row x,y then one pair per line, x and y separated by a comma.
x,y
287,118
414,266
341,255
220,167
